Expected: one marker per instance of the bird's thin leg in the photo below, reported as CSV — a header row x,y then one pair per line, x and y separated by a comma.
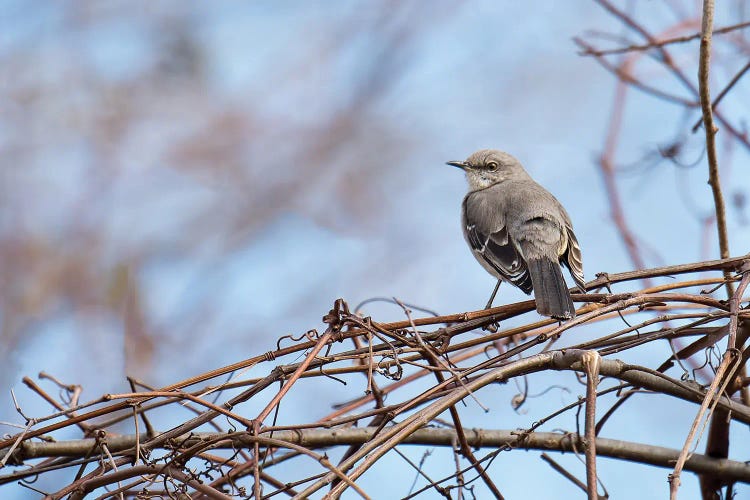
x,y
492,327
492,297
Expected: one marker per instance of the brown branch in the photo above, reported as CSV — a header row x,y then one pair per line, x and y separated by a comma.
x,y
590,361
43,394
724,92
666,57
728,366
731,264
662,43
295,376
403,344
569,359
464,447
464,322
138,470
567,475
717,444
734,307
489,438
704,65
670,64
622,73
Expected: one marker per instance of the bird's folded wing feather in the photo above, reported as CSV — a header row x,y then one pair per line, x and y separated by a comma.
x,y
486,233
572,258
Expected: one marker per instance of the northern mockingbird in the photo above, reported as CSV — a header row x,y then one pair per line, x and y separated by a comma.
x,y
519,232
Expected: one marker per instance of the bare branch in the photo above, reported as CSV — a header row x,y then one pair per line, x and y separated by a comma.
x,y
708,125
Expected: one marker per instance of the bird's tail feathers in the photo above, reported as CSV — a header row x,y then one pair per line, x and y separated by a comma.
x,y
550,291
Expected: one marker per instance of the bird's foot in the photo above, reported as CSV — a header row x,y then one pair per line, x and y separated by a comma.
x,y
492,327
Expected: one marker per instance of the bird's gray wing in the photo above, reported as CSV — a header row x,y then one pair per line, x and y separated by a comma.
x,y
572,258
486,233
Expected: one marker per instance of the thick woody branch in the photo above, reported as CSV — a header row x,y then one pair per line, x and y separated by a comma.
x,y
477,438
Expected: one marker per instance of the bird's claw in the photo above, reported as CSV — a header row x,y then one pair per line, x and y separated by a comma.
x,y
492,327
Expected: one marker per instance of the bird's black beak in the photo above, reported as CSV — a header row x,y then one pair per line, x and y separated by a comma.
x,y
460,164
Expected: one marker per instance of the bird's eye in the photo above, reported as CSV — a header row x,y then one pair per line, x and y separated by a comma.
x,y
492,165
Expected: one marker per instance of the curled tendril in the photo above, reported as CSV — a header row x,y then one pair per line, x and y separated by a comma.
x,y
31,479
309,335
390,371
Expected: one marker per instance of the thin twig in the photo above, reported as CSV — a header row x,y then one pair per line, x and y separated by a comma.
x,y
559,468
669,62
704,89
591,361
662,43
15,443
463,446
724,92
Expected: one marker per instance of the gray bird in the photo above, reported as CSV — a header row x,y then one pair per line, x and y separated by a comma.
x,y
519,232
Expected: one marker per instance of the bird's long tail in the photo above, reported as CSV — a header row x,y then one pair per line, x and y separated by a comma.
x,y
550,291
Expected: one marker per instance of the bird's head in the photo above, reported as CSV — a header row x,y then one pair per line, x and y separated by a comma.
x,y
489,166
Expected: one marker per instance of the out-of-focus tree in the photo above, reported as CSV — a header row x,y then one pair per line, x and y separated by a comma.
x,y
125,147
